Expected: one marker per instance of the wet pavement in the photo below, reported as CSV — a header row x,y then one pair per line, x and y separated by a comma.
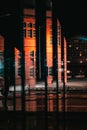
x,y
42,114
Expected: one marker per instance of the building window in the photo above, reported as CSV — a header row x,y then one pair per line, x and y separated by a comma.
x,y
50,71
30,33
70,45
34,33
31,53
31,58
29,25
31,72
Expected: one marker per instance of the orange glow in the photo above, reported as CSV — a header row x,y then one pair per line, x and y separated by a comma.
x,y
30,45
30,49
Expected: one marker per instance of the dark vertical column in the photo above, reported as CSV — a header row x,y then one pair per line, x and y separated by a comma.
x,y
11,55
55,46
22,52
22,64
63,67
9,69
41,49
63,78
40,38
12,29
38,63
7,65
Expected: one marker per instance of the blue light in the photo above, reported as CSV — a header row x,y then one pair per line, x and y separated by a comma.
x,y
83,38
1,65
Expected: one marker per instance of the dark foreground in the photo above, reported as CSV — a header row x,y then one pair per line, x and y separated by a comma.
x,y
43,121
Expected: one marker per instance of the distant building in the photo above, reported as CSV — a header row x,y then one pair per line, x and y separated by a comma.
x,y
30,50
77,57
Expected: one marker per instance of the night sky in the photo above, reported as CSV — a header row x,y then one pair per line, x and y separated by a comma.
x,y
73,17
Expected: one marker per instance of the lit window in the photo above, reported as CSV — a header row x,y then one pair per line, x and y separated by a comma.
x,y
34,33
30,33
29,25
31,53
70,45
80,54
32,58
80,61
50,71
31,72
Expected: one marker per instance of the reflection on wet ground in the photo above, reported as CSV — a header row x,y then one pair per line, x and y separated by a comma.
x,y
72,116
71,101
42,114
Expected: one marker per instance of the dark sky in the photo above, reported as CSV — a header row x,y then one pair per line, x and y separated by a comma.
x,y
73,17
71,13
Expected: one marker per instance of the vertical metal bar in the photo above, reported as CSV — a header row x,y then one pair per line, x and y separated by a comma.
x,y
23,81
63,78
6,71
55,46
22,53
39,53
41,44
63,69
14,95
21,48
14,92
38,40
44,59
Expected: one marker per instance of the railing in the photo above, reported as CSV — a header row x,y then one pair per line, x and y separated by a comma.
x,y
75,100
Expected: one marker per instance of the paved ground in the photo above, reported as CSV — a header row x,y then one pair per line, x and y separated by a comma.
x,y
77,84
72,84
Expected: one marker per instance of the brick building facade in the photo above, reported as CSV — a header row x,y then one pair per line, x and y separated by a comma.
x,y
30,50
